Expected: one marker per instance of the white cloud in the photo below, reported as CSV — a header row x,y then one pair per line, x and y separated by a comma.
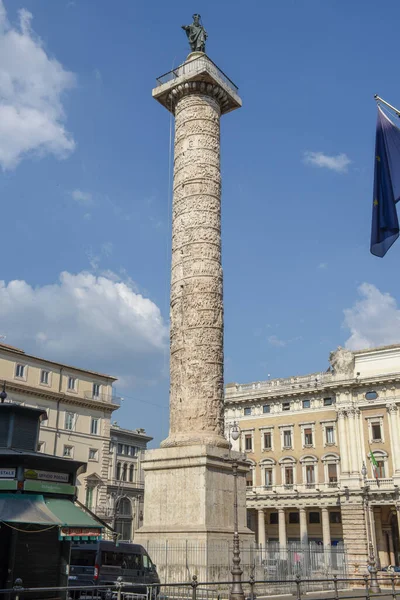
x,y
338,163
275,341
374,320
323,266
84,198
93,322
31,88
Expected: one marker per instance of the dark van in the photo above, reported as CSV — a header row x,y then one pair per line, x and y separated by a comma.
x,y
102,563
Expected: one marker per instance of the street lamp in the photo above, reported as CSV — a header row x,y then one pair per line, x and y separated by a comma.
x,y
373,571
236,592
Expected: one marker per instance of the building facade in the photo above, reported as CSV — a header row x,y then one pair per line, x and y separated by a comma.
x,y
125,486
324,455
79,404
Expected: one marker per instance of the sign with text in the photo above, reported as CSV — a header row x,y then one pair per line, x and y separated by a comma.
x,y
81,531
49,487
7,473
46,475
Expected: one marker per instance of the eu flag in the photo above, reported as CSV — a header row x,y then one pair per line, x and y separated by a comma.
x,y
385,224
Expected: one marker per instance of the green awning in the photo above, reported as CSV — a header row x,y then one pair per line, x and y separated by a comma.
x,y
26,508
69,515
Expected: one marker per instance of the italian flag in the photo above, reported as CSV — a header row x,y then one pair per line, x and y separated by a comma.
x,y
374,464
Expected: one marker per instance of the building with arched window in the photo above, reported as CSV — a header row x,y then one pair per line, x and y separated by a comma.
x,y
324,455
125,488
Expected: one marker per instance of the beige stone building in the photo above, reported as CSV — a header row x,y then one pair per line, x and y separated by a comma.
x,y
79,405
308,438
125,485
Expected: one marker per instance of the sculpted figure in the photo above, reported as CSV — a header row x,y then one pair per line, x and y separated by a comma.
x,y
342,361
196,34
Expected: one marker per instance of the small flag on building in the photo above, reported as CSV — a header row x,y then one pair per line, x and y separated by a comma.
x,y
385,223
374,464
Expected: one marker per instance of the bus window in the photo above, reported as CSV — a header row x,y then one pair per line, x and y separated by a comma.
x,y
83,558
112,559
147,563
133,562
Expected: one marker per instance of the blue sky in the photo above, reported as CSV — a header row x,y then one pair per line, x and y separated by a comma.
x,y
84,181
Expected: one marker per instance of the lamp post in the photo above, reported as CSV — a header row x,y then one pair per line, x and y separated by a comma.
x,y
236,592
373,571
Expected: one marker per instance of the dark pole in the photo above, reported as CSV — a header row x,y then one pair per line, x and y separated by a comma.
x,y
236,592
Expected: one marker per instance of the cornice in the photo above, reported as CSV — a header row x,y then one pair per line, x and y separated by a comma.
x,y
46,394
353,384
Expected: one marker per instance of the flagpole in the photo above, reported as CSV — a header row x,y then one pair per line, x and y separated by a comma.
x,y
379,99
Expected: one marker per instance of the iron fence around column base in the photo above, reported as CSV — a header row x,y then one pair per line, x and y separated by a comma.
x,y
179,561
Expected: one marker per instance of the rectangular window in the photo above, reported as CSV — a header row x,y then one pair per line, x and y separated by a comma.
x,y
247,411
285,405
335,517
93,454
248,442
330,435
332,473
94,426
249,478
120,449
287,438
289,476
294,518
69,421
96,390
44,377
20,371
68,451
72,383
306,403
273,518
380,469
310,474
328,401
314,518
89,498
268,477
376,432
132,451
126,449
267,440
266,408
308,437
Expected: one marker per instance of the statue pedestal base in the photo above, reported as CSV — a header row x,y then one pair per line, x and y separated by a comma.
x,y
189,500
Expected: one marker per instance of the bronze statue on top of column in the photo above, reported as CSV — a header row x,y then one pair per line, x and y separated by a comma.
x,y
196,34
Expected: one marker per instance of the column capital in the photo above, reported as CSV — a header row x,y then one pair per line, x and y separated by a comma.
x,y
391,407
342,412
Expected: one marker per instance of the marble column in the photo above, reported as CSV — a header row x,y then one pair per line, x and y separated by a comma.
x,y
382,554
352,441
303,527
261,528
344,456
326,529
391,547
282,528
394,434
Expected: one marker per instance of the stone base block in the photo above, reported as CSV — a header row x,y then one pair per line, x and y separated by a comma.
x,y
190,495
